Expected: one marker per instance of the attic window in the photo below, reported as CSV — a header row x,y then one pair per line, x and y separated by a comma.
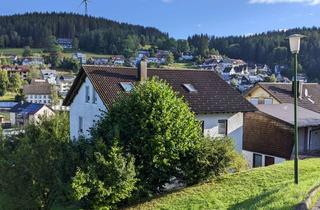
x,y
190,88
127,86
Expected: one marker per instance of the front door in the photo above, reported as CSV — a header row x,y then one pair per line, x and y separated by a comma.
x,y
315,140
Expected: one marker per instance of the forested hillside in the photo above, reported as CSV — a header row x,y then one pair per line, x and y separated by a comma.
x,y
95,34
99,35
273,48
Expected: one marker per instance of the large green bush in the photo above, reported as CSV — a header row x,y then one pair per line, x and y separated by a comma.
x,y
105,178
36,166
158,128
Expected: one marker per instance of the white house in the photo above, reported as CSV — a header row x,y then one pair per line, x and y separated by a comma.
x,y
24,113
38,91
218,106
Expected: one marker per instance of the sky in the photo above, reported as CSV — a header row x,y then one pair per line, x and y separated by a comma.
x,y
181,18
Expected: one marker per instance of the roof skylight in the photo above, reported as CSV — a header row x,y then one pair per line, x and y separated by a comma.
x,y
127,86
190,88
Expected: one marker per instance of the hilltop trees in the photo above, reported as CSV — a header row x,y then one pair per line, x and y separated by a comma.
x,y
4,82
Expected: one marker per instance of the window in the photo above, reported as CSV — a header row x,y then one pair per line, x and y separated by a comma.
x,y
45,101
257,160
126,86
223,127
87,94
268,101
190,88
94,96
80,124
254,101
268,161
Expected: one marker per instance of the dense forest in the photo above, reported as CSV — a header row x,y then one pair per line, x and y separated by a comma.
x,y
273,48
105,36
94,34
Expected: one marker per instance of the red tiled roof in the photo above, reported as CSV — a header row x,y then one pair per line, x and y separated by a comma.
x,y
213,94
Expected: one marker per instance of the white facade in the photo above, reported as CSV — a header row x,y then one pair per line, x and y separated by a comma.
x,y
248,155
39,99
234,126
85,111
84,114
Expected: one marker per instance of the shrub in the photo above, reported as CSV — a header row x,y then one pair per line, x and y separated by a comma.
x,y
213,158
36,166
106,180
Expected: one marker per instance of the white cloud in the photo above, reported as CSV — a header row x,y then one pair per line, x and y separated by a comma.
x,y
310,2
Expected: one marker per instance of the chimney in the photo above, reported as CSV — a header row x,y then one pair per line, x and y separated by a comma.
x,y
143,70
300,88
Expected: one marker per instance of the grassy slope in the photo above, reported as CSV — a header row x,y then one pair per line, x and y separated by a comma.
x,y
180,66
264,188
8,97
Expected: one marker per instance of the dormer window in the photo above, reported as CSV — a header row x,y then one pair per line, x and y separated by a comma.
x,y
190,88
127,86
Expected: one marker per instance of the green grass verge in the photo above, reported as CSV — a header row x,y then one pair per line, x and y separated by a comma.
x,y
8,97
263,188
17,51
180,66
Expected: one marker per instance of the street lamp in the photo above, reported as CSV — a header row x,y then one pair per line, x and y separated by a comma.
x,y
294,41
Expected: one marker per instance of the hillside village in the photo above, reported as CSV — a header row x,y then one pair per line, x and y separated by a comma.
x,y
44,89
123,124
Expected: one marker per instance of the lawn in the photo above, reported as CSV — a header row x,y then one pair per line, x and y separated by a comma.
x,y
17,51
263,188
8,97
180,66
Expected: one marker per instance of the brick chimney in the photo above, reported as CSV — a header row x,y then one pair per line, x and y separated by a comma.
x,y
143,70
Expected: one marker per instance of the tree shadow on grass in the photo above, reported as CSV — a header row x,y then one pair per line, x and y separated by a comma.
x,y
259,202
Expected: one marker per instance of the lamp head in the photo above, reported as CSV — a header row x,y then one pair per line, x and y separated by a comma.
x,y
294,41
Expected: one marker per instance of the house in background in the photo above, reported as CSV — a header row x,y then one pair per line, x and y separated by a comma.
x,y
23,71
277,93
81,57
38,91
65,43
25,113
64,84
33,61
215,103
268,134
49,75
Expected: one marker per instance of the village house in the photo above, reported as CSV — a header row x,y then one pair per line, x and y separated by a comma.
x,y
65,43
33,61
219,107
269,132
81,57
38,91
118,60
100,61
64,84
23,71
49,75
24,113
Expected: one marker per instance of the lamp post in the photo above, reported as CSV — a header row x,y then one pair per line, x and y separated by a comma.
x,y
294,41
